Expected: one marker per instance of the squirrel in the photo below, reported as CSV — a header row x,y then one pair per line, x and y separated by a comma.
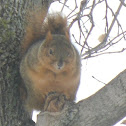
x,y
50,64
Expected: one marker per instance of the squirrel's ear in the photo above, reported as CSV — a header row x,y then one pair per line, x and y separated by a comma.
x,y
67,36
49,37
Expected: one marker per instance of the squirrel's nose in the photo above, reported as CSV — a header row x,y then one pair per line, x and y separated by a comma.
x,y
60,64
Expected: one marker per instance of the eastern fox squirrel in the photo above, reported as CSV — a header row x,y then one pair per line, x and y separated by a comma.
x,y
50,66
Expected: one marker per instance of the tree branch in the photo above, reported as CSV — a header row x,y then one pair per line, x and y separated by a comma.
x,y
107,106
102,45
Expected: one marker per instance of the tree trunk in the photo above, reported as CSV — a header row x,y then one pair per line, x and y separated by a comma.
x,y
12,20
105,108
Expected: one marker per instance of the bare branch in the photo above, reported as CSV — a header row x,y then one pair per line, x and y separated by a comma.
x,y
102,45
122,1
97,110
98,80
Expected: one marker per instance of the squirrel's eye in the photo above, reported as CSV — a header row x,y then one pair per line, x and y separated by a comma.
x,y
50,51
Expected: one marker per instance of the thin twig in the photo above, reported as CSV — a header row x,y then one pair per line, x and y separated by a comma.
x,y
102,45
98,80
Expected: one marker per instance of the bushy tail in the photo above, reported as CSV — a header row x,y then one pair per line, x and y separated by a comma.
x,y
56,24
33,27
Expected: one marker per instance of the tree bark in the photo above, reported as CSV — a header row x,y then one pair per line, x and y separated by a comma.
x,y
105,108
12,21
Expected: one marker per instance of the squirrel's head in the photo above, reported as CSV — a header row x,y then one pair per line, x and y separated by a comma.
x,y
57,53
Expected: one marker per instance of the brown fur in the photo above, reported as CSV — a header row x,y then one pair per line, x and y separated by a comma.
x,y
50,63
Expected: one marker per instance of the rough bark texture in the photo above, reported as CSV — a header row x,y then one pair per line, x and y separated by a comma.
x,y
11,32
105,108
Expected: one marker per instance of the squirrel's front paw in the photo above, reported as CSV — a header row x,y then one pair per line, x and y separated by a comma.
x,y
54,102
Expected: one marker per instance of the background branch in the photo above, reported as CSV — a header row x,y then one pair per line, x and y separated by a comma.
x,y
102,45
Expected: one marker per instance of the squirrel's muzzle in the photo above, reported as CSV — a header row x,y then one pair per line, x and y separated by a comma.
x,y
60,64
